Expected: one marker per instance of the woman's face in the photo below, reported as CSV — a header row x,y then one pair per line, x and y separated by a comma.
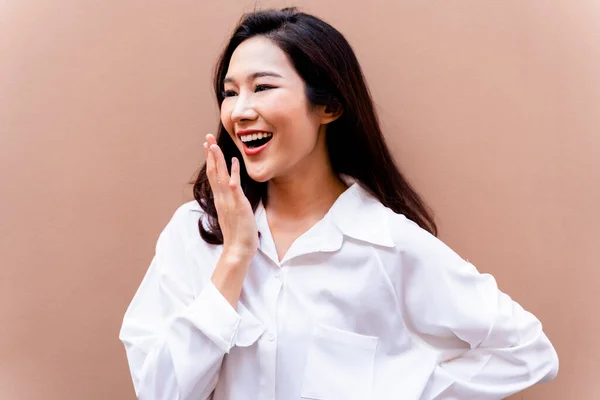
x,y
266,112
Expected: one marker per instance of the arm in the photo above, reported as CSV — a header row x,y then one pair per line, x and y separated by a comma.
x,y
176,341
490,346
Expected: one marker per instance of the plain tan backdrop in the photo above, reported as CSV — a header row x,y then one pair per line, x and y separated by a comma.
x,y
491,108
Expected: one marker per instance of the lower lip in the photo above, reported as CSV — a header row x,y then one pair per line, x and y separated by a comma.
x,y
251,151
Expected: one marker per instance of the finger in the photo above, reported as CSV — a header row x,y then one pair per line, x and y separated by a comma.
x,y
210,139
208,165
222,173
234,181
211,170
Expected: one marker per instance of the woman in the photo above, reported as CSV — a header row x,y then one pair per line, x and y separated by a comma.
x,y
308,267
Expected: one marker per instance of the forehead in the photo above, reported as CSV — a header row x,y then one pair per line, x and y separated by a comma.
x,y
258,54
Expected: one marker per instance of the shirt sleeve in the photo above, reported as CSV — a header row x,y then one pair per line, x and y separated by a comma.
x,y
176,340
489,346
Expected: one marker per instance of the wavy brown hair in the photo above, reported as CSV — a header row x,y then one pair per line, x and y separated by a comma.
x,y
332,75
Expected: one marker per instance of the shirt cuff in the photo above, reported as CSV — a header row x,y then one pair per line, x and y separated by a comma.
x,y
215,317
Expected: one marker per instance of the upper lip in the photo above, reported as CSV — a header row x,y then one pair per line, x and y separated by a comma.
x,y
249,131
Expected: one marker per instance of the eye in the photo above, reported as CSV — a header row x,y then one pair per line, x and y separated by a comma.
x,y
260,88
228,93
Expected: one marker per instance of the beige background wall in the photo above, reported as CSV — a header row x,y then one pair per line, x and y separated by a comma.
x,y
491,107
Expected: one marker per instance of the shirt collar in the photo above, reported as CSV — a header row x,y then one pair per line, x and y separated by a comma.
x,y
356,214
360,215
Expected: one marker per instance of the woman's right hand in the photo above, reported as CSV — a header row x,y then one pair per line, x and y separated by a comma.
x,y
235,215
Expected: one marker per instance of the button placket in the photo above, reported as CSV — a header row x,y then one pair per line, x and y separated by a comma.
x,y
273,290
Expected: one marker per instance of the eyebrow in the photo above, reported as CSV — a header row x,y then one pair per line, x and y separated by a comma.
x,y
253,76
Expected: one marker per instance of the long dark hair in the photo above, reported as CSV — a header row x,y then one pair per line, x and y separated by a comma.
x,y
333,77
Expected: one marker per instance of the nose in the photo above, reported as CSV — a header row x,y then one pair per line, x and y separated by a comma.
x,y
243,110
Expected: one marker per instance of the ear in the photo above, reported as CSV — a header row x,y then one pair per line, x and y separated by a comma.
x,y
328,114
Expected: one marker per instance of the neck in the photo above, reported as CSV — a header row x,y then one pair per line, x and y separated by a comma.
x,y
308,192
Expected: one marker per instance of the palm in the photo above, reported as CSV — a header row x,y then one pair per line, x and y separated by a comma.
x,y
234,211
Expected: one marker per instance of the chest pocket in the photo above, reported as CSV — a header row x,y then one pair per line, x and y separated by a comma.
x,y
339,365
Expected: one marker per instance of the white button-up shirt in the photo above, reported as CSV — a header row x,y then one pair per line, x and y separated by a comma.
x,y
364,305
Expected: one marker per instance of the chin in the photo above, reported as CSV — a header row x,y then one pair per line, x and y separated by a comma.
x,y
260,179
259,176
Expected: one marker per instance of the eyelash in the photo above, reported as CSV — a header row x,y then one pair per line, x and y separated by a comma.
x,y
230,93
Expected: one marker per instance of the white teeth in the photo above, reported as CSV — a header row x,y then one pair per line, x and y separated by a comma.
x,y
255,136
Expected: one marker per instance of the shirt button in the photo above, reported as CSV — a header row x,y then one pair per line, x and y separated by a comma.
x,y
278,275
271,336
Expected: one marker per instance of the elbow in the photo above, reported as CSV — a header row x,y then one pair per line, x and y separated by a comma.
x,y
541,360
536,358
552,364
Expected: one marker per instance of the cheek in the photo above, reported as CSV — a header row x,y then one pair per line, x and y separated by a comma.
x,y
286,113
301,124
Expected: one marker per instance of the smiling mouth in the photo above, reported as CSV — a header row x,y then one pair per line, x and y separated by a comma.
x,y
256,139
